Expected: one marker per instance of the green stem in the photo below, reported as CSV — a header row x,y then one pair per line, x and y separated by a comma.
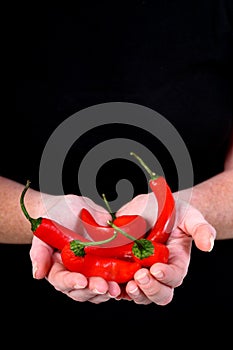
x,y
153,175
122,231
78,247
22,201
35,223
96,243
142,248
108,207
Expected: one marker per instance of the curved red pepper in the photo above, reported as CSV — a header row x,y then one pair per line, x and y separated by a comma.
x,y
54,234
163,226
111,269
135,225
49,231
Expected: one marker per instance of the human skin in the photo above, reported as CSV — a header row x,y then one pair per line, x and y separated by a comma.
x,y
15,229
205,217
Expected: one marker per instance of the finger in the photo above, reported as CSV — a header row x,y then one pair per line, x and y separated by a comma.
x,y
204,236
85,295
173,273
98,285
64,280
114,289
98,291
41,258
170,275
79,288
202,232
147,289
135,294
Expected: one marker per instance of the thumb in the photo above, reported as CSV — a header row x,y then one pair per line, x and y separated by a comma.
x,y
204,235
194,224
41,258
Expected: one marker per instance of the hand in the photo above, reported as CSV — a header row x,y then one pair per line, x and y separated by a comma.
x,y
158,283
47,263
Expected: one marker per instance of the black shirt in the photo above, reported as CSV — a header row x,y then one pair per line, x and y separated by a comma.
x,y
173,58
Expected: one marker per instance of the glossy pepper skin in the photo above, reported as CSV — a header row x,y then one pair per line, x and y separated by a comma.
x,y
119,252
135,225
55,234
159,253
49,231
111,269
145,251
163,226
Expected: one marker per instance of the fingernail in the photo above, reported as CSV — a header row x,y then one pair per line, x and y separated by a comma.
x,y
34,270
157,274
79,286
211,243
111,296
143,278
97,291
133,291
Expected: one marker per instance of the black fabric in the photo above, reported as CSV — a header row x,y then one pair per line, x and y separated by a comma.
x,y
174,57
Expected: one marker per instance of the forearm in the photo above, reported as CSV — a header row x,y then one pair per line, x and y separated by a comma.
x,y
14,228
214,199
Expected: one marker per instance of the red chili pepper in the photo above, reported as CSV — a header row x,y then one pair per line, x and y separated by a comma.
x,y
144,251
120,252
159,252
162,228
136,225
110,269
49,231
80,257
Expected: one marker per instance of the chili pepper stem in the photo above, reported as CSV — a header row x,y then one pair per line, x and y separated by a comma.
x,y
108,207
152,174
22,201
95,243
138,241
143,245
34,222
121,231
78,247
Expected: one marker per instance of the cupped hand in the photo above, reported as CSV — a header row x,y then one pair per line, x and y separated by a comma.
x,y
158,283
46,263
75,285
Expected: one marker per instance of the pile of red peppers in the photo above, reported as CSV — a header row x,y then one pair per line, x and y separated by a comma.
x,y
119,248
